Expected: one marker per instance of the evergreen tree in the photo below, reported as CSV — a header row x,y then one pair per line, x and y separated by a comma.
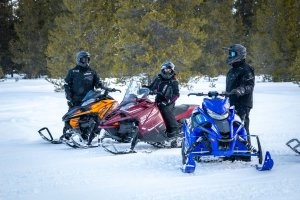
x,y
86,25
276,38
223,29
34,20
152,32
294,70
7,33
244,9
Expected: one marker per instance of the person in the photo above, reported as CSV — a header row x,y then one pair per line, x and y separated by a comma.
x,y
240,81
80,80
165,85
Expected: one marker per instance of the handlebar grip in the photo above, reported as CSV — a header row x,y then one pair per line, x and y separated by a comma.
x,y
196,94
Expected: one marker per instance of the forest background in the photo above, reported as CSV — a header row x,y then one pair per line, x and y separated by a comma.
x,y
129,37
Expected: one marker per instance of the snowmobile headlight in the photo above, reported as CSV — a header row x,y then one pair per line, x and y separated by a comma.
x,y
217,116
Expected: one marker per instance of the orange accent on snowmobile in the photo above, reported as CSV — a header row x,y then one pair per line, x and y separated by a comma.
x,y
101,108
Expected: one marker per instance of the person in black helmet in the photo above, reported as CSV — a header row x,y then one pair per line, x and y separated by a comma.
x,y
80,80
165,85
240,81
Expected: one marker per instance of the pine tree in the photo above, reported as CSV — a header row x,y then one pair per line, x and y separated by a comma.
x,y
34,20
276,40
223,29
152,32
86,25
7,33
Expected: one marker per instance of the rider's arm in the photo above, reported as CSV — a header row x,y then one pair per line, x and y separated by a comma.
x,y
68,86
176,94
248,81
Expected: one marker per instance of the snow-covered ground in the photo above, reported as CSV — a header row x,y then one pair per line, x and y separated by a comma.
x,y
31,168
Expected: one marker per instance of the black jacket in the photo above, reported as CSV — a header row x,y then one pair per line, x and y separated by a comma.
x,y
241,76
167,89
79,81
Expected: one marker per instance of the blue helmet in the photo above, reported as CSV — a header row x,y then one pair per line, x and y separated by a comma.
x,y
83,58
167,74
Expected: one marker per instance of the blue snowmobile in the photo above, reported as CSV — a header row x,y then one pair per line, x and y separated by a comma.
x,y
214,130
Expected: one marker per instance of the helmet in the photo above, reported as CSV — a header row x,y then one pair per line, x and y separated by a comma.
x,y
83,58
236,53
167,65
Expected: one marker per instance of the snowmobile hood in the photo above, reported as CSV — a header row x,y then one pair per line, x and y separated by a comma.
x,y
217,105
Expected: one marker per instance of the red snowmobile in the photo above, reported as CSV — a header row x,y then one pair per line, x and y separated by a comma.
x,y
138,118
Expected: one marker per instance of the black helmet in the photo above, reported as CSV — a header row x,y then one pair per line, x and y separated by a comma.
x,y
167,65
236,53
83,58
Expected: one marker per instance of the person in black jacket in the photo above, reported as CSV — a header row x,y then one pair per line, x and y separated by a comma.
x,y
80,80
240,82
165,85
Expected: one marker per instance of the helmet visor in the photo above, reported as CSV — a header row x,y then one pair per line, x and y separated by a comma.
x,y
85,59
232,54
168,69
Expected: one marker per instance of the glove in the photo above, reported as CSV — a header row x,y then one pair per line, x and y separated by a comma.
x,y
237,92
70,103
145,86
163,103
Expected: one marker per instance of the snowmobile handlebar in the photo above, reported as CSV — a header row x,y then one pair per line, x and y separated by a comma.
x,y
196,94
210,94
107,90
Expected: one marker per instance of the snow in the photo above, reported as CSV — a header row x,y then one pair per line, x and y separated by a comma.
x,y
33,169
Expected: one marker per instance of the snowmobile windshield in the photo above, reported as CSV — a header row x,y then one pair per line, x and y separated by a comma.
x,y
90,97
134,91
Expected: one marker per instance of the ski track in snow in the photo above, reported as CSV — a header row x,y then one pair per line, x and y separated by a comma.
x,y
32,169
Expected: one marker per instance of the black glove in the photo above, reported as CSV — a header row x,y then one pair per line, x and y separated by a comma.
x,y
145,86
237,92
70,103
112,89
163,103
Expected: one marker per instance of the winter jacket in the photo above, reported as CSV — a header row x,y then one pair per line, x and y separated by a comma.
x,y
167,89
79,81
241,77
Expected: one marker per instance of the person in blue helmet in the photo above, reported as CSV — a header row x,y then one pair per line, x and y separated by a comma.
x,y
166,87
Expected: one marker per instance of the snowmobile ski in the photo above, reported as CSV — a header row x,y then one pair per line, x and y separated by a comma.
x,y
268,163
49,137
83,145
116,151
294,144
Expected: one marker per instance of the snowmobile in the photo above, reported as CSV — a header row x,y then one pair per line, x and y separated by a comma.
x,y
215,131
81,122
138,118
294,144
